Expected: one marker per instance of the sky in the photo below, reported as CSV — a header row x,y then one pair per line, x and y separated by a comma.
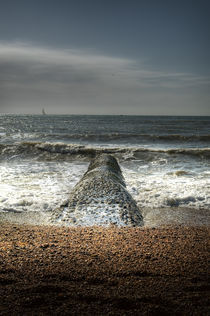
x,y
133,57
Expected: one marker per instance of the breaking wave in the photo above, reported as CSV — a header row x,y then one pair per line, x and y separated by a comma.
x,y
63,151
136,137
108,137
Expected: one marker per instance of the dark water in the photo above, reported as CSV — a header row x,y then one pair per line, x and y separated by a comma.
x,y
146,130
165,161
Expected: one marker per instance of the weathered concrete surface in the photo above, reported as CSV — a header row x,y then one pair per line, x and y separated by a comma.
x,y
101,198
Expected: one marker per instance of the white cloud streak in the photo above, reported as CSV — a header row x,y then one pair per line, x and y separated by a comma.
x,y
31,75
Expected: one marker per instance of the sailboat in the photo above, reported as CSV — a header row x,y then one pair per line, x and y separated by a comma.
x,y
43,112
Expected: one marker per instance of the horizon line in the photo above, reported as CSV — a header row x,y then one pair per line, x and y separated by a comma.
x,y
79,114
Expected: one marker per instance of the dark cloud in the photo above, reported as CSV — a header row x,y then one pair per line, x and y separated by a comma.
x,y
93,83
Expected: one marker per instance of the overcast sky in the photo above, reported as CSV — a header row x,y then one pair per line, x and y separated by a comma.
x,y
147,57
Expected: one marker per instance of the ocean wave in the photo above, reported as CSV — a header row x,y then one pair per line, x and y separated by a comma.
x,y
176,137
107,137
179,173
63,151
131,137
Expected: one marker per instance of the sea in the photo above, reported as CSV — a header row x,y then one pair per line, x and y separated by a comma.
x,y
165,161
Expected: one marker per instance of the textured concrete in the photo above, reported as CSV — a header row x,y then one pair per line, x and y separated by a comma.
x,y
101,198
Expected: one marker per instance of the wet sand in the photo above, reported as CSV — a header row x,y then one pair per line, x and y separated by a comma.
x,y
46,270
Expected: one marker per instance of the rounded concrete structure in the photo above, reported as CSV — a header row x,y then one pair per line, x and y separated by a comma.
x,y
101,198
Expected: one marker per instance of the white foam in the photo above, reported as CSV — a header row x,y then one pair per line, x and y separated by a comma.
x,y
37,186
160,188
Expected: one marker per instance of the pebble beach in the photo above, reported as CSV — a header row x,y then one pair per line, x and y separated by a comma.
x,y
49,270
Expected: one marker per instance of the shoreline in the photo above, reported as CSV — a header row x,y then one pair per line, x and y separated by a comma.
x,y
104,271
153,217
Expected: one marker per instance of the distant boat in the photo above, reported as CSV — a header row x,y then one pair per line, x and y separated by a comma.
x,y
43,112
